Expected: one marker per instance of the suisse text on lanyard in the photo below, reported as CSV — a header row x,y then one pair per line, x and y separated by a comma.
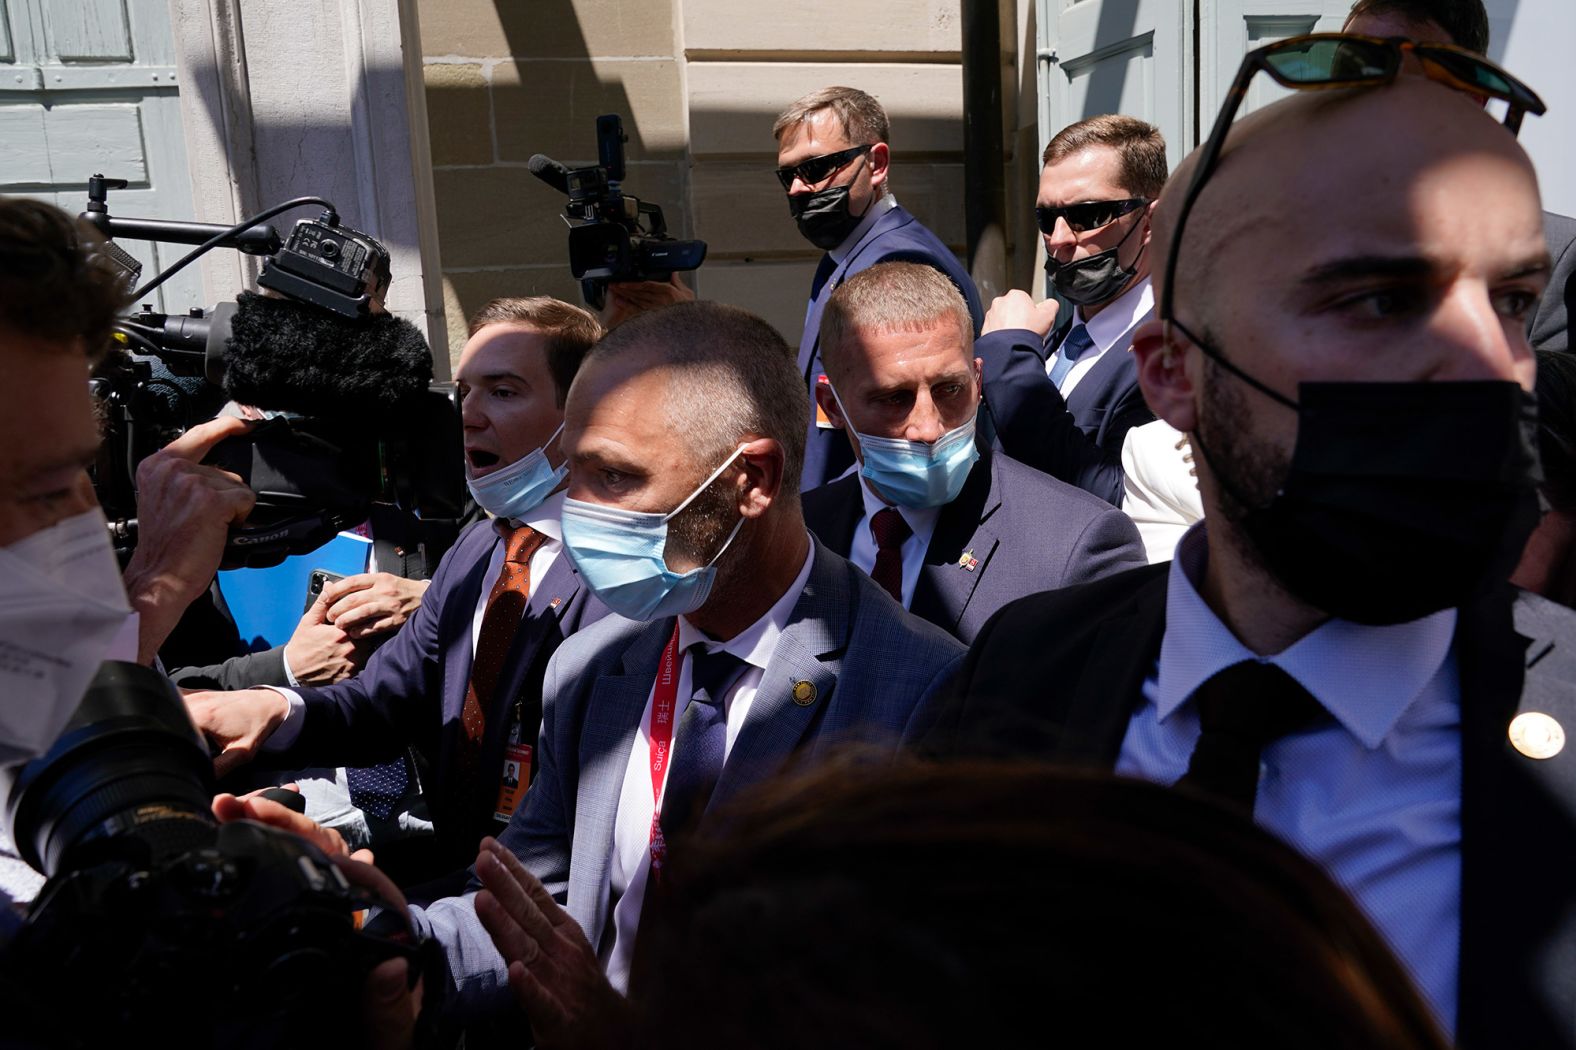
x,y
664,696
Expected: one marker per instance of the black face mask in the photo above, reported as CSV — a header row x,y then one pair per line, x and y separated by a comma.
x,y
823,216
1402,498
1095,278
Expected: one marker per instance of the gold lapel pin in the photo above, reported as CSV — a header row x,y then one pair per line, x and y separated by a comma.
x,y
804,693
1536,735
967,562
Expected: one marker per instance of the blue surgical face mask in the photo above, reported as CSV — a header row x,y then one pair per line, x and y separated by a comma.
x,y
914,474
516,490
619,553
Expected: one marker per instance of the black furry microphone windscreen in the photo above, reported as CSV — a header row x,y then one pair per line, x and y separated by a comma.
x,y
291,356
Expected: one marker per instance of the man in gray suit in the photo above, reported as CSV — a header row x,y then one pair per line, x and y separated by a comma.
x,y
949,528
737,641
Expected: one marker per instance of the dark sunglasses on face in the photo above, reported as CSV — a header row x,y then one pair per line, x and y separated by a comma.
x,y
1081,218
816,169
1345,60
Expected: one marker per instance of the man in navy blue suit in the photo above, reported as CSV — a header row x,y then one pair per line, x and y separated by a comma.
x,y
834,162
462,680
1063,392
951,529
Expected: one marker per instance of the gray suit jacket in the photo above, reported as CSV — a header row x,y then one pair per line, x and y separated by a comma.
x,y
1548,329
868,660
1012,531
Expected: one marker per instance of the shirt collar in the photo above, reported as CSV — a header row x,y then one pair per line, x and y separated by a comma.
x,y
1119,317
872,214
921,521
544,518
755,644
1365,676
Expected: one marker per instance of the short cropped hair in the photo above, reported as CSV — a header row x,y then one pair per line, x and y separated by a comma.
x,y
861,116
55,282
1140,149
1465,22
890,297
737,377
571,332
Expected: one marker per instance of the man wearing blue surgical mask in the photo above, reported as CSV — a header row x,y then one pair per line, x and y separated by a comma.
x,y
738,643
951,530
461,682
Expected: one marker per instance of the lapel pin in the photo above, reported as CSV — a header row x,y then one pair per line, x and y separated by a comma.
x,y
1536,735
967,562
804,693
555,603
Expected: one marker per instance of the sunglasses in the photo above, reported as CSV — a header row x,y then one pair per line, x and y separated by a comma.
x,y
1081,218
816,169
1344,60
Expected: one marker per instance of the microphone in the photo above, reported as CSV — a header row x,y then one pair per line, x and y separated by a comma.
x,y
290,356
549,171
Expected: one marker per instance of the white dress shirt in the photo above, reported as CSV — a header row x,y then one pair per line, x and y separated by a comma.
x,y
631,861
1110,329
922,522
1374,796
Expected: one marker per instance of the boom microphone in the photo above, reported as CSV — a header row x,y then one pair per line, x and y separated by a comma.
x,y
549,171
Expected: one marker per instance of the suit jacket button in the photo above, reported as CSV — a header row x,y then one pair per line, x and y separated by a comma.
x,y
1536,735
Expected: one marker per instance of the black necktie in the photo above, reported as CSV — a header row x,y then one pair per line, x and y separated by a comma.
x,y
822,273
1242,710
702,740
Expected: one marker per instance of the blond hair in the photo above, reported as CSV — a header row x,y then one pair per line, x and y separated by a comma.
x,y
890,297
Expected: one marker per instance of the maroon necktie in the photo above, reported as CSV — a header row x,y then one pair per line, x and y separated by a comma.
x,y
505,610
889,530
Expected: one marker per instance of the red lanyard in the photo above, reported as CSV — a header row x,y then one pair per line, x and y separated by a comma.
x,y
663,699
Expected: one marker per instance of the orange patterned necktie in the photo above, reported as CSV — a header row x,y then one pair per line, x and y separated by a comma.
x,y
505,611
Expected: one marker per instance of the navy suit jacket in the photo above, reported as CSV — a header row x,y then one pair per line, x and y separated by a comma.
x,y
868,661
1516,652
1077,439
895,237
412,690
1012,531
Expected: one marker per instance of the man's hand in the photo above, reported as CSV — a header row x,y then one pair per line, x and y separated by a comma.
x,y
238,722
318,652
625,299
388,1004
1017,309
371,603
552,967
184,513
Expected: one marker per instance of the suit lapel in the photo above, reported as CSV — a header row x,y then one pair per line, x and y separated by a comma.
x,y
1110,687
835,518
459,614
1518,839
817,629
963,533
611,720
1094,388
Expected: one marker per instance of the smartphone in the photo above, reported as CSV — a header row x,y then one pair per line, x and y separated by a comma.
x,y
315,584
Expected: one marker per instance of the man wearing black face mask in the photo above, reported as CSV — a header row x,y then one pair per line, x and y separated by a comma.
x,y
1335,650
1061,386
834,162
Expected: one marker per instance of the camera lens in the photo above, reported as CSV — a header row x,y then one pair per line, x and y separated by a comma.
x,y
129,774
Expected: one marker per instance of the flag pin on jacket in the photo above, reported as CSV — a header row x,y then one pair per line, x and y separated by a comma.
x,y
967,562
1536,735
804,693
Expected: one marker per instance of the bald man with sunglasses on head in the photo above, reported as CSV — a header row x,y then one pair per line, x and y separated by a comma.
x,y
834,163
1335,651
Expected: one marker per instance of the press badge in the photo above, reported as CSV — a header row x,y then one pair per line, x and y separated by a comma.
x,y
516,776
822,420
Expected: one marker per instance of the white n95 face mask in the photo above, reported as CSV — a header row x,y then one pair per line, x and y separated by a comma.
x,y
61,605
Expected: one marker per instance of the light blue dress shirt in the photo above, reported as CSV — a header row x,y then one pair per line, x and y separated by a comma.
x,y
1374,796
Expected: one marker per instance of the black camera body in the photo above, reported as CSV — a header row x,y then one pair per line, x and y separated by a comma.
x,y
381,432
612,235
185,932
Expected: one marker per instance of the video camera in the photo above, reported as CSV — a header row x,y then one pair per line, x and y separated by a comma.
x,y
354,415
613,236
178,930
